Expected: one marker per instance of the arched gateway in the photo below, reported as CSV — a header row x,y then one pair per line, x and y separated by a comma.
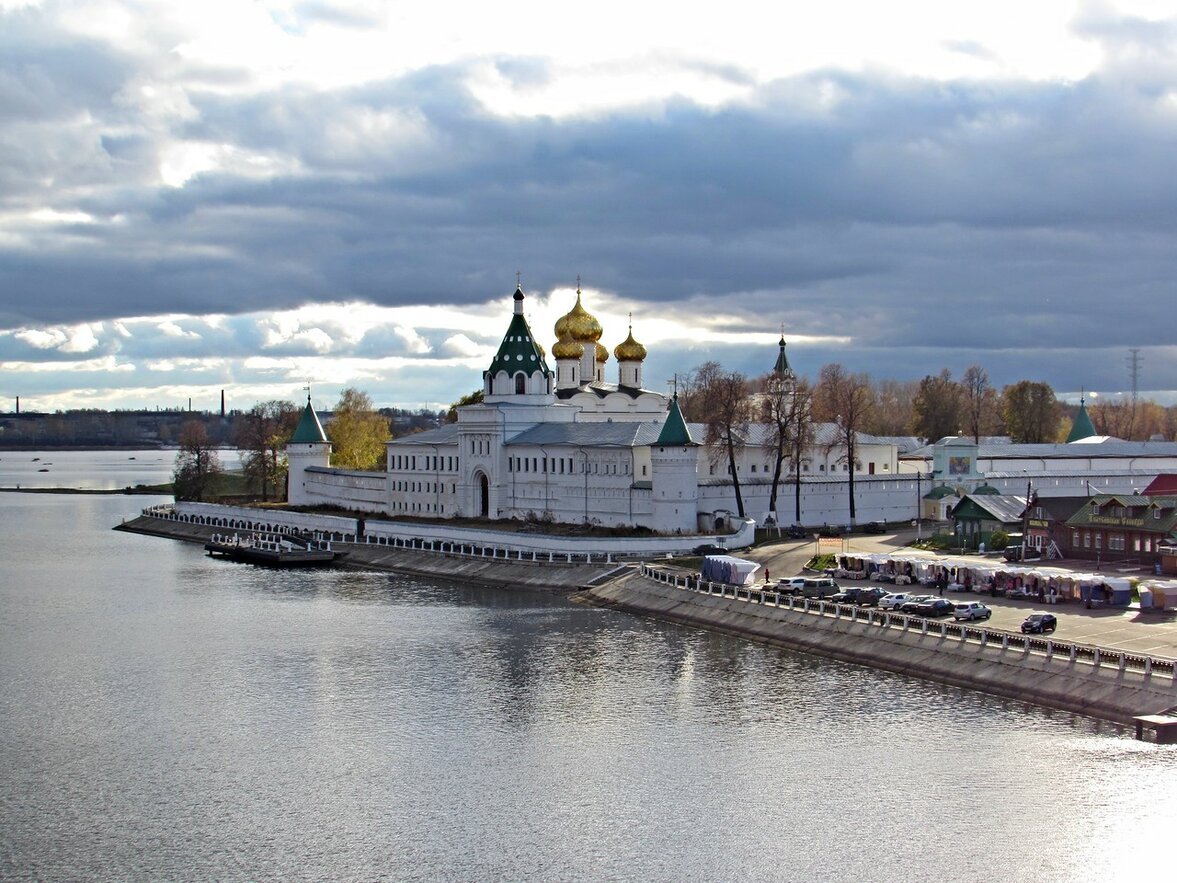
x,y
483,495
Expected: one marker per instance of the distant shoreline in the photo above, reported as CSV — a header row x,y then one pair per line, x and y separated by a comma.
x,y
50,447
138,490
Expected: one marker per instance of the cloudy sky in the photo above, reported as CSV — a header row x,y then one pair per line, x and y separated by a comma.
x,y
251,196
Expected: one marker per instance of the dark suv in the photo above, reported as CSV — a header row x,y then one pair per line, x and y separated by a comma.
x,y
847,596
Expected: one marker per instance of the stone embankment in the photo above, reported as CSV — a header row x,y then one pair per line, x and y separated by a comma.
x,y
468,568
1043,672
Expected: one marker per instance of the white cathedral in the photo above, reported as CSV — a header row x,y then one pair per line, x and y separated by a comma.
x,y
565,446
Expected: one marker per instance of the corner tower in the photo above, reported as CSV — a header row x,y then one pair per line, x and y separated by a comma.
x,y
674,478
308,447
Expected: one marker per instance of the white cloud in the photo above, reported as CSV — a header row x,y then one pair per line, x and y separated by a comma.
x,y
414,343
170,329
41,339
105,364
461,346
81,339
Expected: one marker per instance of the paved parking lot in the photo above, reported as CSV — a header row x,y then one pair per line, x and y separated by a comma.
x,y
1129,630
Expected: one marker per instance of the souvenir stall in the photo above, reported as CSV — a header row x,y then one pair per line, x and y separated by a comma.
x,y
726,569
1158,595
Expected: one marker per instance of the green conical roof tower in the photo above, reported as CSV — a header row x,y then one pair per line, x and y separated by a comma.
x,y
518,349
674,431
309,430
781,368
1082,427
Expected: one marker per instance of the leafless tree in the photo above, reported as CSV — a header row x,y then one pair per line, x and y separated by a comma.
x,y
198,467
261,435
721,398
892,412
846,400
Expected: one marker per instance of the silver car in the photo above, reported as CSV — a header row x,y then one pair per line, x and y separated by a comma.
x,y
971,610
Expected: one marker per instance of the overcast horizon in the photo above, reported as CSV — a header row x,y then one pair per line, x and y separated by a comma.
x,y
254,197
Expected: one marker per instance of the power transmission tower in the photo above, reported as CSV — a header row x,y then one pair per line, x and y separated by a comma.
x,y
1134,361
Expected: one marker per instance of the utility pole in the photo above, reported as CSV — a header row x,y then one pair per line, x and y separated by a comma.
x,y
919,506
1026,521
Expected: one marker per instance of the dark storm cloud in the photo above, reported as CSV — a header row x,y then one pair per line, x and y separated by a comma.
x,y
1011,218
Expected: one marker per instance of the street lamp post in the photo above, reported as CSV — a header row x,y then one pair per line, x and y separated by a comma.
x,y
919,508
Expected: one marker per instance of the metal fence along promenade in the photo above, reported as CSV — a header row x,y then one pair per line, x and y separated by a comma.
x,y
1152,669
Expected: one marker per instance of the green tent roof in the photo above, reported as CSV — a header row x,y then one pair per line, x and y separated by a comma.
x,y
1082,427
309,430
518,351
674,430
781,368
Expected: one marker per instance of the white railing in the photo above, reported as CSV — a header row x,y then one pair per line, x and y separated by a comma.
x,y
237,520
1026,645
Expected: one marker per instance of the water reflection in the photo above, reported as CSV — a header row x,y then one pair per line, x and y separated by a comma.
x,y
170,716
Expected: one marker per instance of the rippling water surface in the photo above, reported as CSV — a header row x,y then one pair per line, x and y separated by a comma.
x,y
166,716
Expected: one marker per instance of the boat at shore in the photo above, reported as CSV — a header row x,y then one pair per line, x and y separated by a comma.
x,y
272,550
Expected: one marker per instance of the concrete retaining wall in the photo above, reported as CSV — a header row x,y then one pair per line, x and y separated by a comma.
x,y
1103,691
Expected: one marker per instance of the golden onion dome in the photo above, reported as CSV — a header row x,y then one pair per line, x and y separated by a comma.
x,y
629,350
602,353
579,324
566,348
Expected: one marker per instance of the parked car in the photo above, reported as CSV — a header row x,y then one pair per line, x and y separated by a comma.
x,y
819,587
913,601
791,586
796,531
847,596
1021,594
710,549
875,527
1014,553
870,597
830,530
1039,624
930,607
894,600
971,610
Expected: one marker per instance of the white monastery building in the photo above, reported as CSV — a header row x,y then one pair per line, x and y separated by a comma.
x,y
567,445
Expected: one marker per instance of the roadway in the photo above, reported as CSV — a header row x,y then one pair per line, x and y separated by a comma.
x,y
1129,630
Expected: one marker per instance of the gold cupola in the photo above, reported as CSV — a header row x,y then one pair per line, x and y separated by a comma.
x,y
578,324
567,348
629,350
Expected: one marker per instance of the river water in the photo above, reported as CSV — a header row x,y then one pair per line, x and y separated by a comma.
x,y
170,717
